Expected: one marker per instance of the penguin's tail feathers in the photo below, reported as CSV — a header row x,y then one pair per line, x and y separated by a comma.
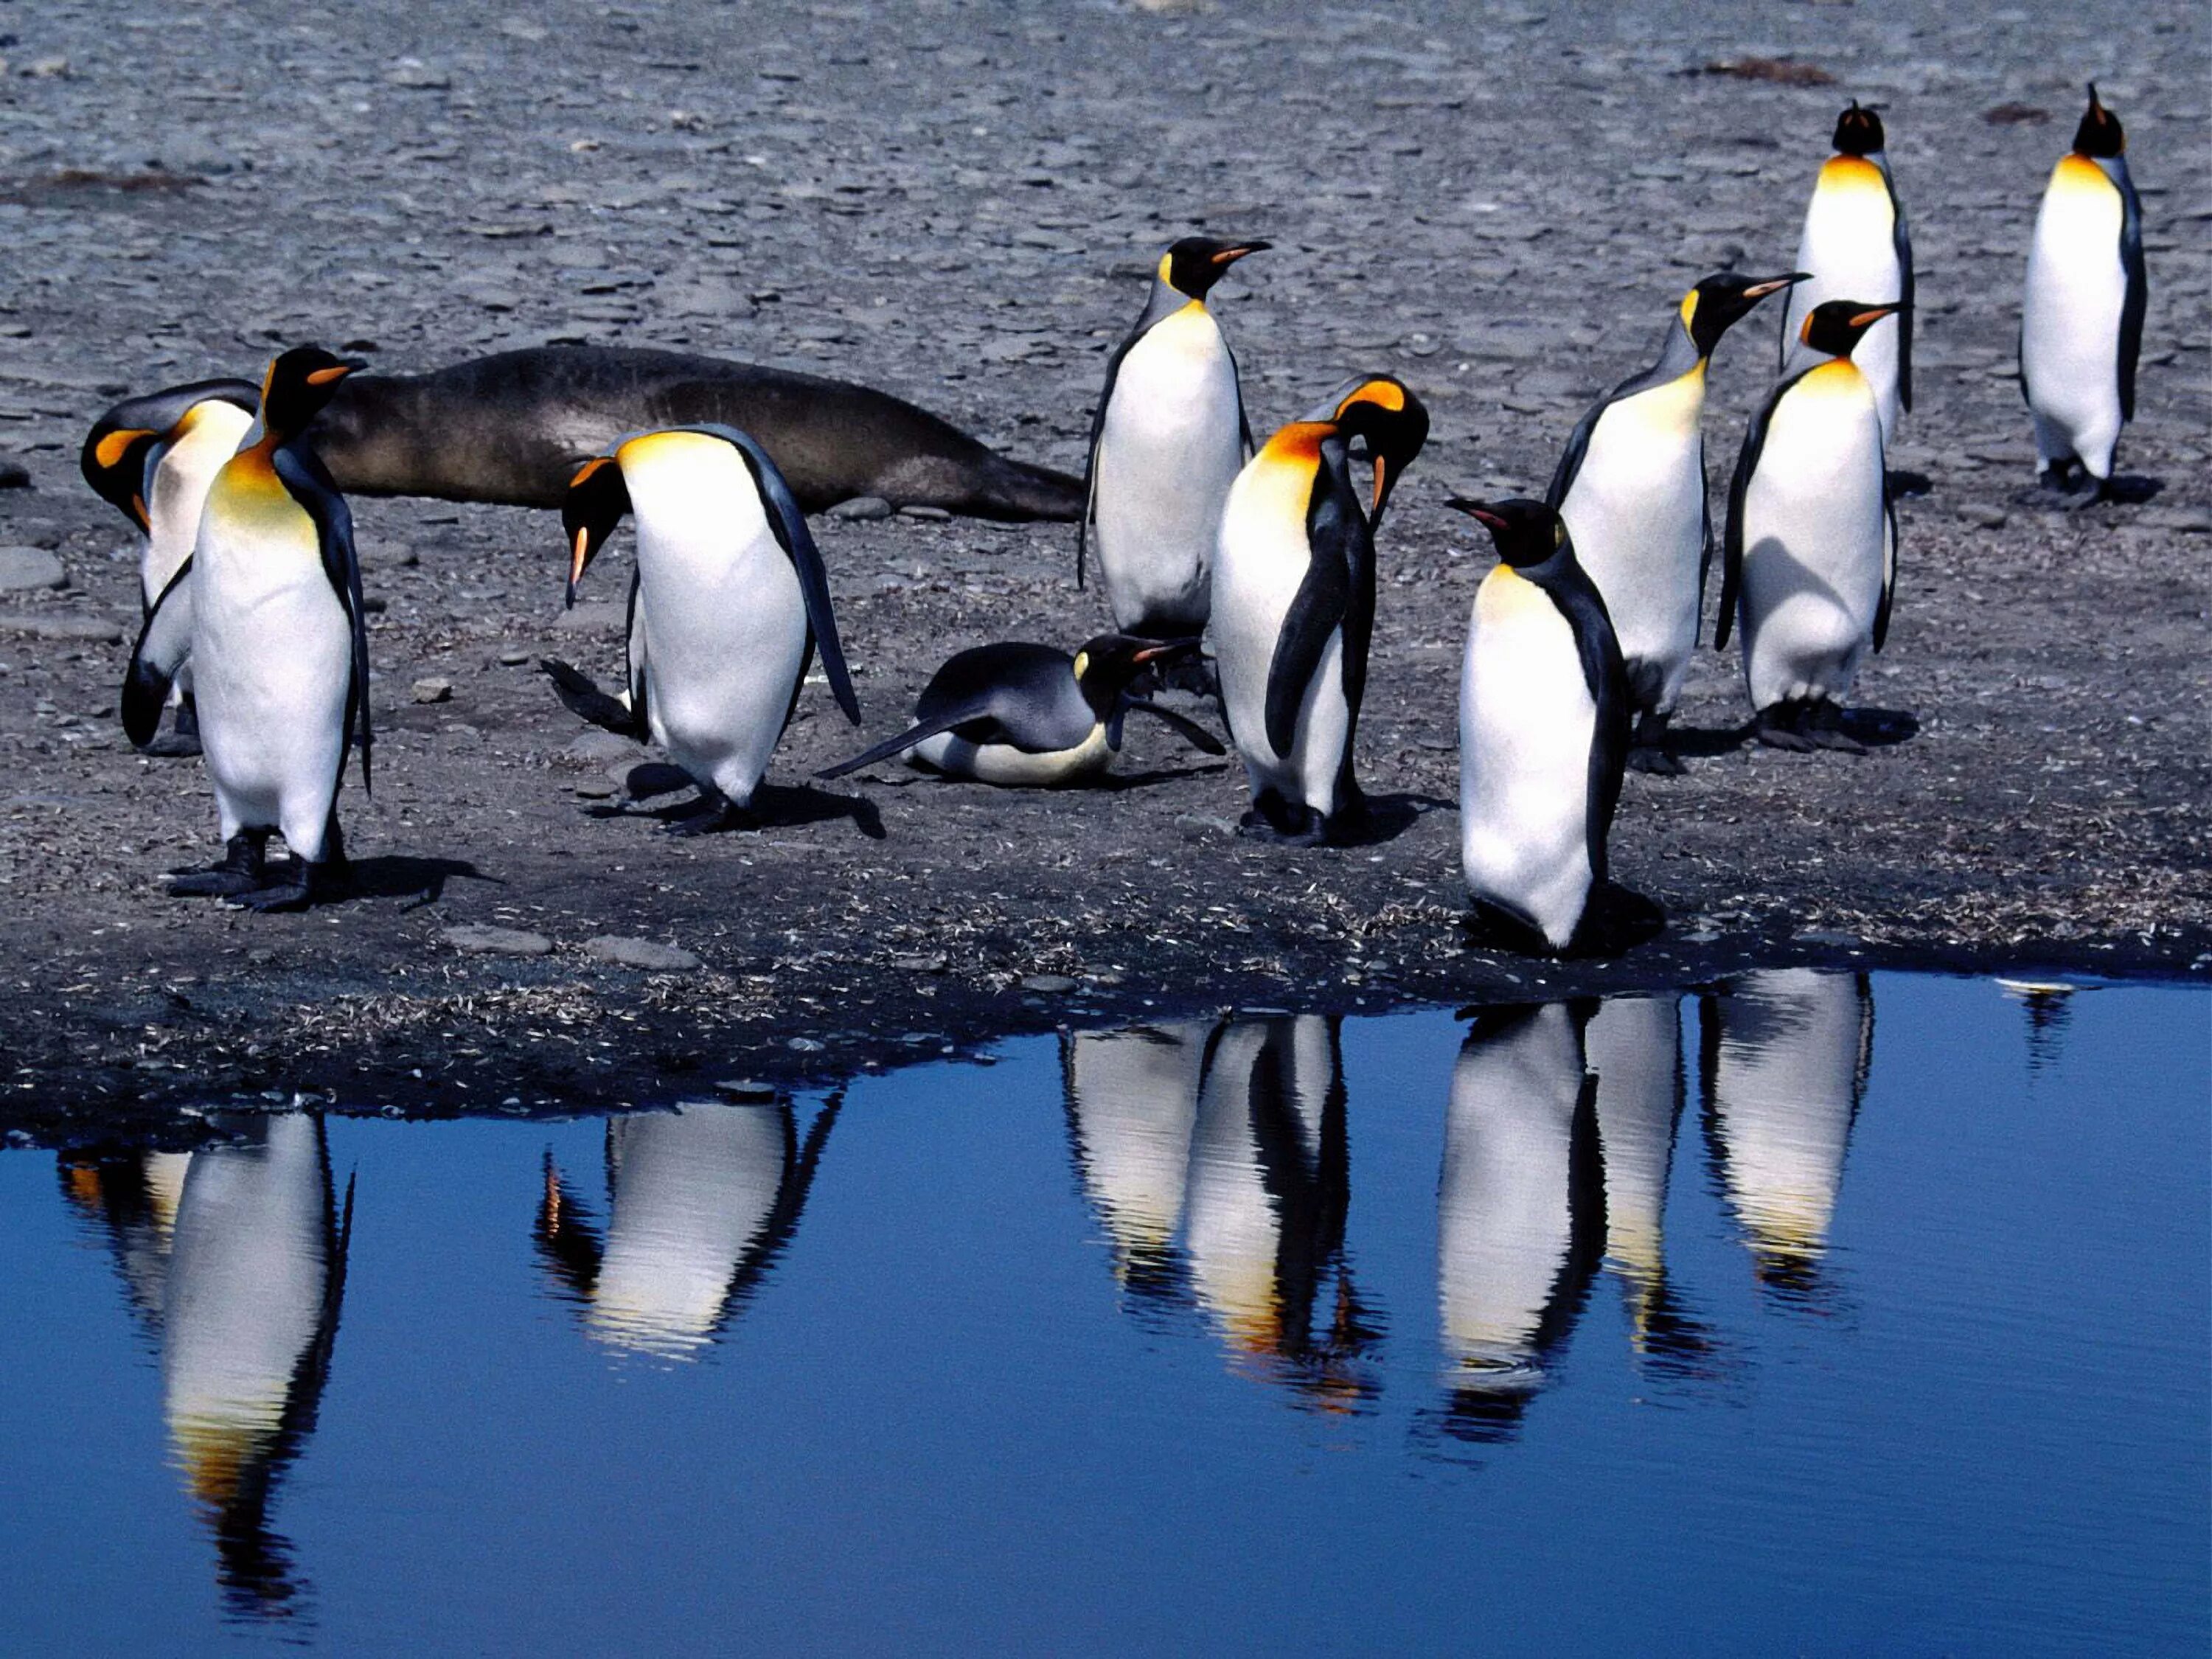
x,y
583,698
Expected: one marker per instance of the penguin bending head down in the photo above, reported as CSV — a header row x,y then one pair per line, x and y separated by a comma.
x,y
1029,715
1166,442
1294,603
1631,487
1543,730
2081,325
268,610
1811,552
727,602
1856,245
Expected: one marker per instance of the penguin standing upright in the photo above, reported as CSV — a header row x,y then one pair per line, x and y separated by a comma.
x,y
1811,550
1543,728
269,611
727,604
1166,442
153,459
1856,247
2081,325
1294,603
1631,487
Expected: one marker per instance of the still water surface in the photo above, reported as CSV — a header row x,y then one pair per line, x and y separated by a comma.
x,y
1817,1314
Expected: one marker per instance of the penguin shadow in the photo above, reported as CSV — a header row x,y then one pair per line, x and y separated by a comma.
x,y
1386,817
774,805
2121,490
398,875
1903,481
1116,782
1874,728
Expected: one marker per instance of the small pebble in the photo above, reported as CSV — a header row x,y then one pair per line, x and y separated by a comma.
x,y
643,954
1051,985
862,506
598,788
918,965
433,690
745,1088
22,568
930,513
497,941
513,656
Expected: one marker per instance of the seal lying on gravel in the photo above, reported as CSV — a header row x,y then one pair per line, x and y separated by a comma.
x,y
513,428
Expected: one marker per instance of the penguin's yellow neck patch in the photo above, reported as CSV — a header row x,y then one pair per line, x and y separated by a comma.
x,y
2078,172
1506,594
1837,376
1852,173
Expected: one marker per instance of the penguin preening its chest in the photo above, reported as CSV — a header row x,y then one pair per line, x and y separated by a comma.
x,y
727,604
1856,247
1293,605
269,611
2080,326
1166,443
153,459
1027,715
1631,487
1543,729
1811,554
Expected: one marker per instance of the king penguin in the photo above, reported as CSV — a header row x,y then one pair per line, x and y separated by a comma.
x,y
1166,442
1810,560
1543,729
2081,325
727,602
1856,247
1631,487
1026,715
152,458
1294,603
269,611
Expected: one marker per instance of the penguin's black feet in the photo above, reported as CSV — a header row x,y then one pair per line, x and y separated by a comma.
x,y
1823,729
1292,824
240,870
1488,927
1648,750
182,737
1782,725
710,814
299,888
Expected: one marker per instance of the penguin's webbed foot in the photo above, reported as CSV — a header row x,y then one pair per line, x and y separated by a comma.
x,y
1823,729
182,738
299,886
1782,725
711,812
1647,751
240,870
1272,818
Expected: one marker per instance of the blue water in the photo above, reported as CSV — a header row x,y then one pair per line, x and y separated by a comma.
x,y
1832,1316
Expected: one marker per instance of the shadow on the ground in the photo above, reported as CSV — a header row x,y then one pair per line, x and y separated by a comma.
x,y
1117,782
775,807
399,875
1904,483
1389,816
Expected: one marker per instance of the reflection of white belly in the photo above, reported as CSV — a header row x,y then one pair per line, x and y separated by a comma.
x,y
1134,1095
1003,763
1635,1047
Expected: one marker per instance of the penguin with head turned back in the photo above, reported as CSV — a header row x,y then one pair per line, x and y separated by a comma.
x,y
727,604
1631,487
269,611
1810,560
1543,730
1856,247
1166,442
1294,603
2080,326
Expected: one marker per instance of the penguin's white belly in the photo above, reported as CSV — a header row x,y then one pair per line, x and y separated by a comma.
x,y
1003,763
177,491
725,630
1170,447
1813,543
1634,1045
1261,561
1849,245
272,657
2069,339
1636,513
1526,722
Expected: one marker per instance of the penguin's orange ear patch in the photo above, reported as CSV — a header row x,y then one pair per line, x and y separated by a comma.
x,y
585,472
110,451
1383,394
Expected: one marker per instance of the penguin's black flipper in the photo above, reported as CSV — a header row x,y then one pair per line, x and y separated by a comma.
x,y
943,719
1607,677
1191,732
165,640
2136,296
584,699
1888,566
1571,460
1341,550
1901,244
1747,464
303,476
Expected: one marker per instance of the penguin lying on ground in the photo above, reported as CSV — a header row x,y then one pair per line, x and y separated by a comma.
x,y
269,611
727,604
1029,715
1631,487
152,459
1166,443
1543,730
1856,245
1293,604
2081,325
1811,554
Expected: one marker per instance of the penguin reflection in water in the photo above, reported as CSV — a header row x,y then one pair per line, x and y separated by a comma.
x,y
1234,1137
1026,715
153,459
727,602
268,611
234,1256
700,1203
2080,327
1293,605
1811,553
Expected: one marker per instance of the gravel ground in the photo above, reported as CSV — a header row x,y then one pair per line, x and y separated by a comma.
x,y
959,203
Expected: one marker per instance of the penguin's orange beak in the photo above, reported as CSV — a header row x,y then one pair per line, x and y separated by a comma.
x,y
1760,290
1229,256
579,555
1874,313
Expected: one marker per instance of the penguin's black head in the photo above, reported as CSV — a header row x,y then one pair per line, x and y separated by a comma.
x,y
124,440
1858,132
1836,326
1389,422
1105,665
1195,263
2099,137
1711,307
1527,532
299,383
598,497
